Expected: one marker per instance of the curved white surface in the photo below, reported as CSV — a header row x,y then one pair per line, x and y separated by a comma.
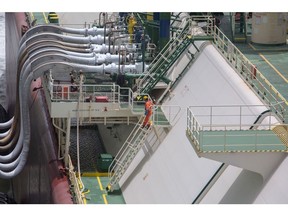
x,y
174,173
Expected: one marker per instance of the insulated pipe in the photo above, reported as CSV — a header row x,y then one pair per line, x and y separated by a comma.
x,y
50,38
100,69
39,71
93,60
60,29
106,48
58,49
26,51
15,152
88,65
7,124
12,167
64,38
118,37
23,55
17,138
24,137
2,135
12,133
107,69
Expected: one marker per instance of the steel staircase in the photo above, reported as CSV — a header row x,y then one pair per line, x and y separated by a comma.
x,y
127,153
166,58
282,133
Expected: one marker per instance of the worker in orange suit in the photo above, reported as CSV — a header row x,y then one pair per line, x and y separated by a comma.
x,y
148,111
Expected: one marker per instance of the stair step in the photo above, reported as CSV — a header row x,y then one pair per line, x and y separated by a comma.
x,y
282,132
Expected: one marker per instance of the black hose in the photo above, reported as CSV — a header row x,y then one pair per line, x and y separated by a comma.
x,y
255,122
208,183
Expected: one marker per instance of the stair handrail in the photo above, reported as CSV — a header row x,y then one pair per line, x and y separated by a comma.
x,y
251,74
124,147
168,50
171,112
127,153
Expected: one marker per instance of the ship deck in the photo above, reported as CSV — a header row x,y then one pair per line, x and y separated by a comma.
x,y
271,61
95,192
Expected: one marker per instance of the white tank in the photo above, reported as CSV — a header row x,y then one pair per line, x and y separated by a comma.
x,y
269,28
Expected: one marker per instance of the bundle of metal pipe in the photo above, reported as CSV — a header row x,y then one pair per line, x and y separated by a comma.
x,y
41,52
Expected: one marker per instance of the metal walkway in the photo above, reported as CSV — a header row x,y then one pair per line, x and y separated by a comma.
x,y
216,130
272,61
173,50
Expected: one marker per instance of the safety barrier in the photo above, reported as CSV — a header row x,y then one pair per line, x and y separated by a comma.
x,y
251,75
234,129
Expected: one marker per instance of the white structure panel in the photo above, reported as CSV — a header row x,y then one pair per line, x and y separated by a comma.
x,y
174,173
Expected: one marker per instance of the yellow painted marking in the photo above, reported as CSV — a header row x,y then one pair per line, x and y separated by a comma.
x,y
95,174
100,184
46,20
84,197
278,72
272,87
252,46
104,198
88,191
101,188
282,133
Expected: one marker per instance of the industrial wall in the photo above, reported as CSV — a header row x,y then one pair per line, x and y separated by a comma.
x,y
174,173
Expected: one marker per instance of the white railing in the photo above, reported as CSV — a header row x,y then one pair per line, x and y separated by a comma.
x,y
240,117
165,115
222,128
251,75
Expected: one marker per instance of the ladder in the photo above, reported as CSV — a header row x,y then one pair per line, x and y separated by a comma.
x,y
166,58
127,153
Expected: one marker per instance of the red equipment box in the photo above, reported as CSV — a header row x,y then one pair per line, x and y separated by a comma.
x,y
101,99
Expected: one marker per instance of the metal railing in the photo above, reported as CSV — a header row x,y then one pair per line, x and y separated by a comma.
x,y
165,115
167,51
127,153
251,75
234,129
162,115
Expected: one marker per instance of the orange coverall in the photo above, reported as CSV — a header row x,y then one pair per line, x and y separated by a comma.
x,y
148,109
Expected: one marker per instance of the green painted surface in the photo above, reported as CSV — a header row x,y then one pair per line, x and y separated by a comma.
x,y
96,195
160,118
248,140
277,71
